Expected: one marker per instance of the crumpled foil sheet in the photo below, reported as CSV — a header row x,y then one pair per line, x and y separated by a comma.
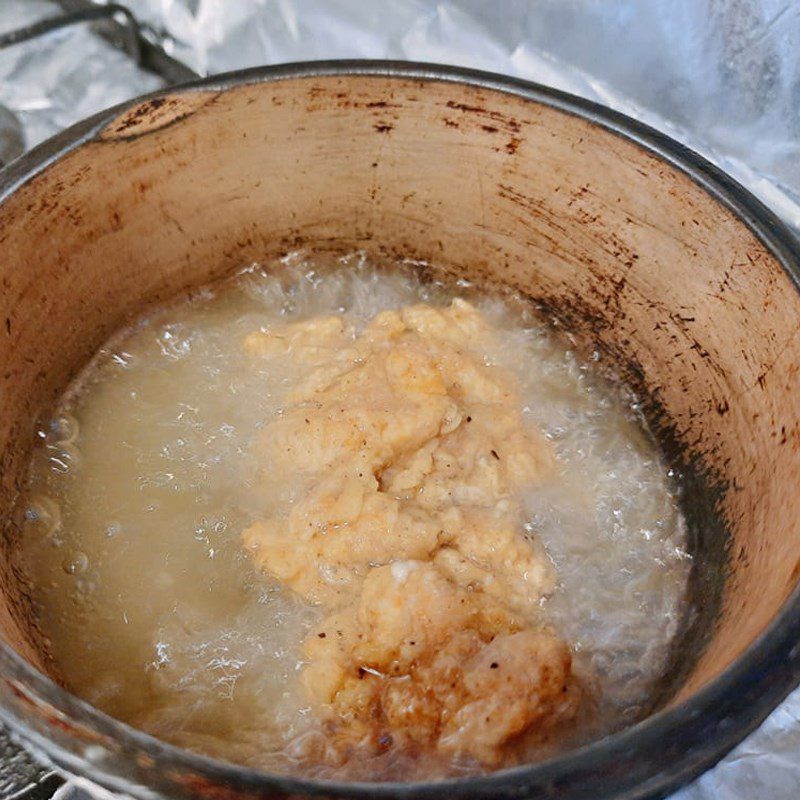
x,y
54,81
722,76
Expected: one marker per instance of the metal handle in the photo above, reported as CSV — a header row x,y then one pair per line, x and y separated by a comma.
x,y
89,14
123,31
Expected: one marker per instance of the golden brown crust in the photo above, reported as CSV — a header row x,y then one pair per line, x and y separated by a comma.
x,y
424,663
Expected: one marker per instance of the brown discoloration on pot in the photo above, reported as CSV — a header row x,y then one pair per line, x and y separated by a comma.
x,y
155,113
52,718
200,787
630,254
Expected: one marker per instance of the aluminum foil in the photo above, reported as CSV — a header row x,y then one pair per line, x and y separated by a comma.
x,y
68,75
722,76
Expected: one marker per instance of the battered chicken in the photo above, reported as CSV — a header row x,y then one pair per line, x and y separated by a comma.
x,y
392,480
422,663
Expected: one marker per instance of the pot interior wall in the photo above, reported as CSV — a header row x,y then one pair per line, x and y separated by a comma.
x,y
629,253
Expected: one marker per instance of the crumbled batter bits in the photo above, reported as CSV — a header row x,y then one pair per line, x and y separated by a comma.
x,y
392,479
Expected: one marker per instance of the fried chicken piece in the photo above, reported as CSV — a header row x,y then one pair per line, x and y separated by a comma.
x,y
403,443
423,663
327,543
391,482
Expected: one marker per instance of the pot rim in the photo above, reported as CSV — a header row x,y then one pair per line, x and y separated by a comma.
x,y
648,759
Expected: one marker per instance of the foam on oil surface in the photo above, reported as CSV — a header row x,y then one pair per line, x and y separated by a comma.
x,y
139,493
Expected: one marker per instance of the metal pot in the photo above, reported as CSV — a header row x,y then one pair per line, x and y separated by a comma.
x,y
683,280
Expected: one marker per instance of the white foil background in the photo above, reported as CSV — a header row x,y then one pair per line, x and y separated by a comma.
x,y
722,76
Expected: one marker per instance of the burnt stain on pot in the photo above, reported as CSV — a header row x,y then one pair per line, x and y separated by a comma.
x,y
17,591
198,786
51,717
505,121
382,104
54,194
489,121
320,98
155,114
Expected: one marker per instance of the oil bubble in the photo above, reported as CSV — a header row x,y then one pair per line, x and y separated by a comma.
x,y
64,458
75,564
42,517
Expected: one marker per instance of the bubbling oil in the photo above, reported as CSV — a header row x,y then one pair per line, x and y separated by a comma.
x,y
141,484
